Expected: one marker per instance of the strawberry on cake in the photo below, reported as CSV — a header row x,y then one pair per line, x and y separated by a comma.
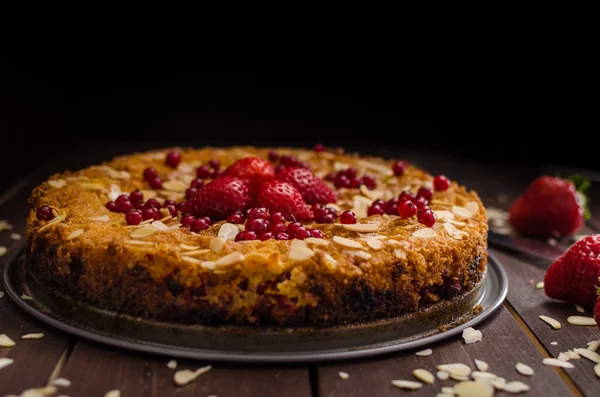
x,y
252,236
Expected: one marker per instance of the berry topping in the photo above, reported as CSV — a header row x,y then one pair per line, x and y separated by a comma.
x,y
291,228
155,183
301,233
426,217
222,197
291,161
282,236
44,213
407,209
169,202
399,167
199,225
369,181
152,203
348,217
257,225
203,172
253,171
236,218
265,236
273,156
186,207
312,189
150,173
440,182
319,148
246,236
420,202
136,196
150,213
375,210
256,213
406,196
425,192
276,217
172,209
316,233
120,199
187,220
282,197
277,228
349,179
391,207
111,206
214,164
125,206
173,159
197,183
191,192
133,217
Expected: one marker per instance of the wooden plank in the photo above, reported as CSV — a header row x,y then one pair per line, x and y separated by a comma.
x,y
34,359
530,303
504,344
137,374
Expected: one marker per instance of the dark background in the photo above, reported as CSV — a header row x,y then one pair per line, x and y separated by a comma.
x,y
64,110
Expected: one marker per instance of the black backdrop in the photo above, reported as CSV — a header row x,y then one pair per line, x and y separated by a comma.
x,y
48,112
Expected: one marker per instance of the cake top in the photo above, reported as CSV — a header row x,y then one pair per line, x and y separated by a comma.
x,y
215,209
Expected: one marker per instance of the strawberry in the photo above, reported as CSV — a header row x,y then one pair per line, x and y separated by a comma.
x,y
282,197
222,197
573,276
551,206
312,189
252,170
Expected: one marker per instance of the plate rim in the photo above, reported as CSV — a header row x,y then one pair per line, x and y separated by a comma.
x,y
493,266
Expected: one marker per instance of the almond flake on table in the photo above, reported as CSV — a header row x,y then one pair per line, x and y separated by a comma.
x,y
515,387
481,365
549,320
172,364
568,355
524,369
593,345
581,320
498,383
1,294
590,355
424,353
554,343
479,375
579,308
597,370
61,382
4,225
343,375
407,384
443,375
557,363
6,362
185,376
473,389
471,335
458,369
539,285
113,393
33,336
3,250
424,376
16,236
5,341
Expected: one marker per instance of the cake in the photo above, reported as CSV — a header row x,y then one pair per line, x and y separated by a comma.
x,y
256,236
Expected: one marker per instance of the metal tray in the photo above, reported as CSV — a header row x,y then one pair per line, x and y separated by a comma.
x,y
258,344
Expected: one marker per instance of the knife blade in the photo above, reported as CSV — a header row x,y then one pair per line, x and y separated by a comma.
x,y
537,252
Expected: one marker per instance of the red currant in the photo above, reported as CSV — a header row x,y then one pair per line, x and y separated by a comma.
x,y
407,209
111,206
203,171
44,213
319,148
277,228
173,159
426,217
187,220
265,236
425,192
399,167
133,217
316,233
236,218
375,210
440,182
257,225
150,173
348,217
136,196
301,233
246,236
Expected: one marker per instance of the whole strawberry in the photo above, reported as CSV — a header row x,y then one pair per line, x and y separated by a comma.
x,y
550,206
574,276
312,189
282,197
253,171
222,197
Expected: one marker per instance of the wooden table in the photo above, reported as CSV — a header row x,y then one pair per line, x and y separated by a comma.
x,y
513,334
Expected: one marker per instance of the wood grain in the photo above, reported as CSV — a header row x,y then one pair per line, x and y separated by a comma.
x,y
504,344
94,370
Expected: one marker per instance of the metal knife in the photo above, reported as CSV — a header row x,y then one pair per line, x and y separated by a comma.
x,y
537,252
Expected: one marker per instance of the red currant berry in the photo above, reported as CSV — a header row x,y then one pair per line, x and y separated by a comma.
x,y
133,217
169,202
152,203
291,228
172,209
265,236
236,218
391,207
138,205
44,213
187,220
319,148
173,159
348,217
257,225
282,236
150,173
277,228
316,233
301,233
399,167
407,209
125,206
375,210
405,195
203,171
273,156
136,196
342,181
190,192
155,183
111,206
327,218
277,217
214,163
254,213
420,202
121,198
186,207
197,183
426,217
425,192
246,236
369,182
207,220
150,213
440,182
198,225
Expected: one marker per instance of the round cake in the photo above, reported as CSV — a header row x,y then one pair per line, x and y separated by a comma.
x,y
256,236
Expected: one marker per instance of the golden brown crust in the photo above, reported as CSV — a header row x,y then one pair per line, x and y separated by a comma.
x,y
393,271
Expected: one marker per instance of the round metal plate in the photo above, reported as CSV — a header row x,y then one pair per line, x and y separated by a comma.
x,y
256,344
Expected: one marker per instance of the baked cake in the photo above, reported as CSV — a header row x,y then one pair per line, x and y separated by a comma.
x,y
252,236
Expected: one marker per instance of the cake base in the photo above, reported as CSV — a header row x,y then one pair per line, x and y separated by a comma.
x,y
259,344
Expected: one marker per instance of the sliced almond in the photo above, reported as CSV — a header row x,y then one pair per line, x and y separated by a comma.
x,y
473,389
593,345
33,336
229,260
461,212
400,254
360,227
241,227
568,355
580,320
143,232
61,382
172,364
92,186
481,365
557,363
346,242
498,383
424,233
407,384
424,376
185,376
210,265
15,236
317,241
186,247
448,390
596,370
3,250
479,375
26,297
196,252
424,353
4,362
101,218
555,324
228,231
372,194
116,174
443,215
5,341
114,193
455,369
191,261
299,251
590,355
472,207
443,375
343,375
75,234
137,242
471,335
524,369
217,244
329,260
375,243
539,285
159,225
459,378
358,253
579,308
53,222
175,186
57,183
515,387
453,231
